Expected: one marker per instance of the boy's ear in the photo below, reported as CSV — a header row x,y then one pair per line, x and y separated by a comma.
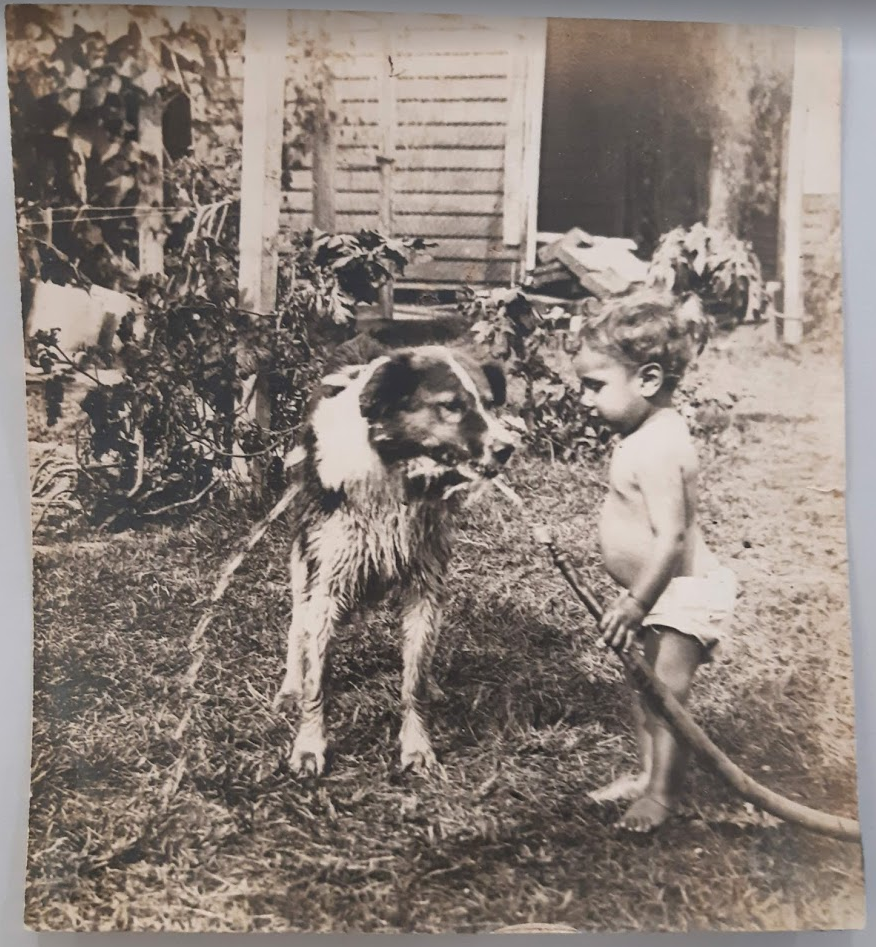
x,y
651,378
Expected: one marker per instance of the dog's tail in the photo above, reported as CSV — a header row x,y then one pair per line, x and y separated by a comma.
x,y
258,531
233,564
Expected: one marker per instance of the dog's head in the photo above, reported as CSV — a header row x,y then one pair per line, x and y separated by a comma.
x,y
435,404
424,413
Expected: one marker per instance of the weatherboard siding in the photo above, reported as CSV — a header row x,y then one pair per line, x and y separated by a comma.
x,y
453,90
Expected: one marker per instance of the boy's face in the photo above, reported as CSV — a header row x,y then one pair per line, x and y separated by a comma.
x,y
617,392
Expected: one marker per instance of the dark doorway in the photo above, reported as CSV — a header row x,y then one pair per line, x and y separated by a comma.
x,y
622,153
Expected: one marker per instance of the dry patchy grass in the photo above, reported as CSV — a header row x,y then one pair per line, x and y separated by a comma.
x,y
533,718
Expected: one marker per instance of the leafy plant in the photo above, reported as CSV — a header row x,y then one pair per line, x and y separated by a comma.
x,y
332,273
558,425
166,436
78,80
722,270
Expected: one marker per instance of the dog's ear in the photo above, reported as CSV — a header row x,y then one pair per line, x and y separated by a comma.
x,y
391,383
496,380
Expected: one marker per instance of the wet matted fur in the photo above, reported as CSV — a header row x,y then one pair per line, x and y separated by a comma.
x,y
388,451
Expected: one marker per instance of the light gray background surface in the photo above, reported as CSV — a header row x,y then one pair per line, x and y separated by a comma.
x,y
857,18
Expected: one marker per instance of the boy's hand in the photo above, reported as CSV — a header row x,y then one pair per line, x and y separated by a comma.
x,y
621,622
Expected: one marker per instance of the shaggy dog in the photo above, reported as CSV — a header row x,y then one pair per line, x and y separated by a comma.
x,y
388,450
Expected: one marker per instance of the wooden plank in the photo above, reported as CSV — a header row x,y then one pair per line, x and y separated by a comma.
x,y
263,101
415,65
359,134
360,179
406,204
262,152
455,272
513,185
431,226
478,112
344,222
452,203
792,198
535,72
475,159
444,180
461,40
453,88
470,248
422,159
435,181
450,225
346,202
451,136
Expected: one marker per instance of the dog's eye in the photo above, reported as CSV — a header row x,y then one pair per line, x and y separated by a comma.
x,y
450,409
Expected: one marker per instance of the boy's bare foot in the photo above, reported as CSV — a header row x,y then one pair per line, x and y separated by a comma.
x,y
646,815
622,789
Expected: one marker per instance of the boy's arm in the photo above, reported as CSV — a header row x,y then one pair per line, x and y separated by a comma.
x,y
664,494
662,486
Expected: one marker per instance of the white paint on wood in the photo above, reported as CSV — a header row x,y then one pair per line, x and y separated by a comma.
x,y
824,94
513,209
263,100
263,97
792,270
535,69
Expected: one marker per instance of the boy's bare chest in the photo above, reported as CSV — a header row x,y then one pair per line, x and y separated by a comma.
x,y
623,472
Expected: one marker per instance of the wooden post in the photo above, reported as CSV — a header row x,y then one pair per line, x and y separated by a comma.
x,y
264,86
325,141
535,67
792,199
386,156
514,193
151,185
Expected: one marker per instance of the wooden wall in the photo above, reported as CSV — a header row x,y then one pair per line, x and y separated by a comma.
x,y
457,132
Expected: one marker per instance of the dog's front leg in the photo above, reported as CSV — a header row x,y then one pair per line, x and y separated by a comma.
x,y
290,689
421,622
318,621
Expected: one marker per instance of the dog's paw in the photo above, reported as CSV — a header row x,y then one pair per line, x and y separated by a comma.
x,y
308,756
420,763
417,755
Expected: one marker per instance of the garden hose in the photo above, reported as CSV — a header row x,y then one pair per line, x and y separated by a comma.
x,y
823,823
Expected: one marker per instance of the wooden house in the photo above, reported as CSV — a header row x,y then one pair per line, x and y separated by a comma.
x,y
479,134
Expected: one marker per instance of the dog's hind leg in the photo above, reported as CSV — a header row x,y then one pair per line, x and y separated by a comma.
x,y
421,622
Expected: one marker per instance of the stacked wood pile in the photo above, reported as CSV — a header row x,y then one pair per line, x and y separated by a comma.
x,y
577,264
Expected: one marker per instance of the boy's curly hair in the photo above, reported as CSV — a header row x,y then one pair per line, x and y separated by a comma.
x,y
649,325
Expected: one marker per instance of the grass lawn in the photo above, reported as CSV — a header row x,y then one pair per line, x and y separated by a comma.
x,y
534,716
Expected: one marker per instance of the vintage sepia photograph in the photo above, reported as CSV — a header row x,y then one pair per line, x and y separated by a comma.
x,y
437,472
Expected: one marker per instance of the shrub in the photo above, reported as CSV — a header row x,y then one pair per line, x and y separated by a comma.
x,y
722,270
165,437
507,325
558,425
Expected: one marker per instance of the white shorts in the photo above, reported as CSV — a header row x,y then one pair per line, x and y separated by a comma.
x,y
698,606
